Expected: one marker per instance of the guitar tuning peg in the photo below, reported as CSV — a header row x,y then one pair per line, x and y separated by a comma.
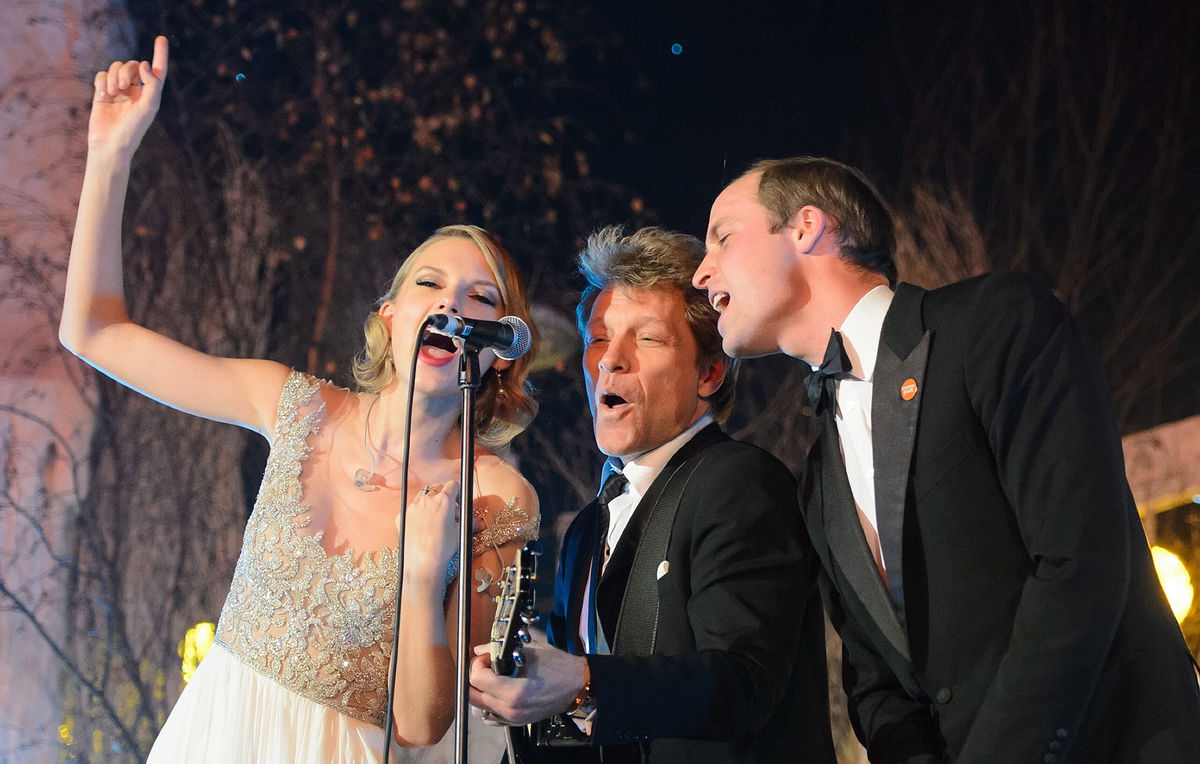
x,y
530,617
523,636
518,657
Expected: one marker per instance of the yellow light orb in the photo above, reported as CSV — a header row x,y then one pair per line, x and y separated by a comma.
x,y
1176,581
194,647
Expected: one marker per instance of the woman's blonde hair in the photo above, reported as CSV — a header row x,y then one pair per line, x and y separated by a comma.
x,y
504,402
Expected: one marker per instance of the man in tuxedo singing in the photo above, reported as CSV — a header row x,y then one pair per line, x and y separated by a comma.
x,y
982,554
686,625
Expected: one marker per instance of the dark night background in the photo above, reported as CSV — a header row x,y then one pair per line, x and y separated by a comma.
x,y
859,81
1045,119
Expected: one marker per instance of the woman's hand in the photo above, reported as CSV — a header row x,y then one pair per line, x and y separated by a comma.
x,y
433,530
126,99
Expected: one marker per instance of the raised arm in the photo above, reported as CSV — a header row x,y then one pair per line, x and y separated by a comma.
x,y
95,324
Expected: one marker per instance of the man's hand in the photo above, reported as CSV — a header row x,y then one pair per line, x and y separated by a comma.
x,y
550,680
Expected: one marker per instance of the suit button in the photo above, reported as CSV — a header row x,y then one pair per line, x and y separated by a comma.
x,y
943,695
1055,746
1049,758
807,411
1061,734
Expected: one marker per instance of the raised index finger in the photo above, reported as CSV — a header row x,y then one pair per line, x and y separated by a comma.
x,y
162,57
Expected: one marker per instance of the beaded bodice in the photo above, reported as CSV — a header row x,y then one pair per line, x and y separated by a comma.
x,y
319,624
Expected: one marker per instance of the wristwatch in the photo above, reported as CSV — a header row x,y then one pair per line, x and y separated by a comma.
x,y
584,704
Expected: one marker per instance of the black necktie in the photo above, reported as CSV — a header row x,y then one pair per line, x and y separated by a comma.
x,y
614,486
820,383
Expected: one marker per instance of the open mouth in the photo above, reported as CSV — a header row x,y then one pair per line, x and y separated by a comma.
x,y
719,301
612,400
432,339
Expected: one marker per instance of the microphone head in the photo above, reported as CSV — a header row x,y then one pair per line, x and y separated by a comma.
x,y
444,323
522,339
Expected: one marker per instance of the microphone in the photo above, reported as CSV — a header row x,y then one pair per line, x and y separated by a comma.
x,y
509,337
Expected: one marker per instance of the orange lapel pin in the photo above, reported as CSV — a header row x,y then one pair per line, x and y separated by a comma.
x,y
908,390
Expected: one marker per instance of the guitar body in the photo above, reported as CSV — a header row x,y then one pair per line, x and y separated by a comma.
x,y
551,740
518,746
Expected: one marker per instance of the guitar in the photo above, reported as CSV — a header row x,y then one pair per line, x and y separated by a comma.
x,y
510,631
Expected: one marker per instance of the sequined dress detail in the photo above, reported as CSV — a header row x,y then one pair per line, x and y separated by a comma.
x,y
319,625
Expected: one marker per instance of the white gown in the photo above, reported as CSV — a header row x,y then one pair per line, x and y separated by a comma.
x,y
297,672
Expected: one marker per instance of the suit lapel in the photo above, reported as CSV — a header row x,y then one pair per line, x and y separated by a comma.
x,y
579,561
616,573
897,390
848,550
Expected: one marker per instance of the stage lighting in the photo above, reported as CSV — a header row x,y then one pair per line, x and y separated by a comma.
x,y
195,646
1176,581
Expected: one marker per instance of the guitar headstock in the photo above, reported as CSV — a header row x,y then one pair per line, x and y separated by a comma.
x,y
515,611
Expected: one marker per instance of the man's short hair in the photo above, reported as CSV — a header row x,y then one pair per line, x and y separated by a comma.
x,y
654,258
863,221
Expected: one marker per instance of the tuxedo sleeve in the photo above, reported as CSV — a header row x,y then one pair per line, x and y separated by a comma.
x,y
1037,388
750,576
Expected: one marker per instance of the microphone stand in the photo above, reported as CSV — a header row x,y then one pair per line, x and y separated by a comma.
x,y
468,382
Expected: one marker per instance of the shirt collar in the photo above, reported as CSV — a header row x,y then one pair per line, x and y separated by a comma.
x,y
861,329
642,469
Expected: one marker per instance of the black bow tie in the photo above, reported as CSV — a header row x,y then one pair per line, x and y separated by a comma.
x,y
614,486
819,384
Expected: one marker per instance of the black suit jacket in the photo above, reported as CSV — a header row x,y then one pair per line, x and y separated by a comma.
x,y
1033,627
738,670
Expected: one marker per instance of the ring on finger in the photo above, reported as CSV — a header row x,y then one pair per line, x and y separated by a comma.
x,y
426,490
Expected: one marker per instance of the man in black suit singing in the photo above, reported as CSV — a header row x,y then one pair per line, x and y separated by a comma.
x,y
983,558
686,626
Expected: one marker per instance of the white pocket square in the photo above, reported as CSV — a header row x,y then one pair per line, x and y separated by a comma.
x,y
663,567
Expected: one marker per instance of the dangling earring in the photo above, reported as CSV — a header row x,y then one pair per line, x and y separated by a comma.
x,y
500,384
390,354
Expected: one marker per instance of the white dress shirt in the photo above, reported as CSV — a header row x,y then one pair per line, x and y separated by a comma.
x,y
860,335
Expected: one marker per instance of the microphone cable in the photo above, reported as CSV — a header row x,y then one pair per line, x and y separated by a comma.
x,y
390,718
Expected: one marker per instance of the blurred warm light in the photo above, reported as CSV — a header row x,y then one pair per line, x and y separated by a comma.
x,y
1176,581
195,646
